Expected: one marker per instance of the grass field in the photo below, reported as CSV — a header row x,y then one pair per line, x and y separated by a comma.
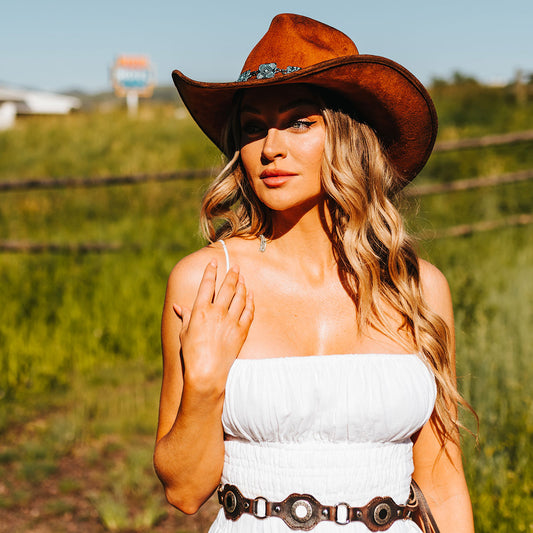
x,y
79,333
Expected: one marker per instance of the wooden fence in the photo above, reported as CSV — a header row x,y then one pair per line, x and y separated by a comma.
x,y
411,191
483,142
131,179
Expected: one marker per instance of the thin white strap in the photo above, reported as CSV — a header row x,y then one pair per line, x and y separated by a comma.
x,y
225,253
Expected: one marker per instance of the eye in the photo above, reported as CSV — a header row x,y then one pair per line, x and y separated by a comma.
x,y
252,127
301,124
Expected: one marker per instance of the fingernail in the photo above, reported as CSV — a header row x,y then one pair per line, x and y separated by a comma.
x,y
213,262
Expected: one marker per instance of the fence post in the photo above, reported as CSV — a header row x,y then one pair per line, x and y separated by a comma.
x,y
520,88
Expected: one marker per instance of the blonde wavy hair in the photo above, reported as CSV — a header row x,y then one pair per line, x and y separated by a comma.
x,y
378,263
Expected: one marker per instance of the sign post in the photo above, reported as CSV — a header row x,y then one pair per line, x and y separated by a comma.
x,y
133,77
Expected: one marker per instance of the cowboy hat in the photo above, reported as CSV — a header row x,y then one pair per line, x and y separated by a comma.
x,y
297,49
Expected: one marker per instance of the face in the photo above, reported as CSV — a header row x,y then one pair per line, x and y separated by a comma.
x,y
282,144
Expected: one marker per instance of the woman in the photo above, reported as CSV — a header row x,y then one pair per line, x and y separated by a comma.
x,y
308,353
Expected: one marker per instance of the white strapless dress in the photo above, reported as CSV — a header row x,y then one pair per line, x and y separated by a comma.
x,y
337,427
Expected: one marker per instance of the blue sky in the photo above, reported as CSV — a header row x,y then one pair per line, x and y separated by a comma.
x,y
66,44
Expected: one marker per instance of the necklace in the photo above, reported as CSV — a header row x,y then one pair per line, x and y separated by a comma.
x,y
262,243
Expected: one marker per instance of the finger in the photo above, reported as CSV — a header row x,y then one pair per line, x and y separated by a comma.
x,y
227,289
206,290
238,302
247,314
185,315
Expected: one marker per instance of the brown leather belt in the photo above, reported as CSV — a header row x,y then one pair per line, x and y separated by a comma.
x,y
303,511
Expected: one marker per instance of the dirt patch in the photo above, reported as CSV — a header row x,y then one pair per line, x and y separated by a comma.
x,y
68,497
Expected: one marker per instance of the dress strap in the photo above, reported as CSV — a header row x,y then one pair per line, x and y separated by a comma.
x,y
225,248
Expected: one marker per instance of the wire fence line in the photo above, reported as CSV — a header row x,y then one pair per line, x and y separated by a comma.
x,y
79,182
468,184
485,141
461,230
49,247
14,246
523,219
131,179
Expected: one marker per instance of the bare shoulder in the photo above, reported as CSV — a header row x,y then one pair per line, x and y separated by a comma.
x,y
431,277
186,275
435,290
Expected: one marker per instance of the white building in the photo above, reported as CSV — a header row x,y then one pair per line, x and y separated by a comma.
x,y
27,102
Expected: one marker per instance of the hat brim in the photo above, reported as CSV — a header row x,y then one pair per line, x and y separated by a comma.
x,y
384,94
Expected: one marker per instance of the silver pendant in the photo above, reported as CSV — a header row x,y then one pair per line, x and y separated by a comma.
x,y
262,243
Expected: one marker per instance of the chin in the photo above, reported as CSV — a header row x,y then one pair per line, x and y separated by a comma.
x,y
291,204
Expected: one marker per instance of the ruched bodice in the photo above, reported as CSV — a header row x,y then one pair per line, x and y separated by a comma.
x,y
334,426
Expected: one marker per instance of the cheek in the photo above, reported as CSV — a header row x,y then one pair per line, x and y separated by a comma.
x,y
250,156
249,161
313,152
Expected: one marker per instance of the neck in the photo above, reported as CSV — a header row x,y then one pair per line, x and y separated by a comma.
x,y
304,235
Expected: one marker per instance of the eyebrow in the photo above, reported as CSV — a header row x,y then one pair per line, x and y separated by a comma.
x,y
301,102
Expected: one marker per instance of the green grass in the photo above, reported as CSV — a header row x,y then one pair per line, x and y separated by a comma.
x,y
101,144
79,333
491,276
105,425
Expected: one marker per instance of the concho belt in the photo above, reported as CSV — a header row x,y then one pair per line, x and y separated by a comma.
x,y
304,512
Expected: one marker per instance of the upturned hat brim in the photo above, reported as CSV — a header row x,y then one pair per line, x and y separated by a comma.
x,y
384,95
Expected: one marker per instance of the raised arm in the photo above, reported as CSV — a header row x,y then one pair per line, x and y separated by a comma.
x,y
202,333
440,472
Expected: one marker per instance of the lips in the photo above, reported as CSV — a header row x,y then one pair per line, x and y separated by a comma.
x,y
275,177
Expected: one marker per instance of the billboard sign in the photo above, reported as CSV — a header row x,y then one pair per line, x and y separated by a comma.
x,y
133,75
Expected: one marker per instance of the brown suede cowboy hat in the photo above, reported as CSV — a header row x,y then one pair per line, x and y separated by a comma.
x,y
297,49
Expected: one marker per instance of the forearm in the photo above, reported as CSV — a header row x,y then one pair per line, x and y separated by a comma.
x,y
439,473
452,512
190,457
201,338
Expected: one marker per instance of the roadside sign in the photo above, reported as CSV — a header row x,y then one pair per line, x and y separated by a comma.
x,y
133,75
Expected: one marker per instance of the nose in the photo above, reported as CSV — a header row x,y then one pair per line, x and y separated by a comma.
x,y
274,145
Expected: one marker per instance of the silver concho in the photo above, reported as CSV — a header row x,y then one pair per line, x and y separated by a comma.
x,y
382,514
230,501
301,510
266,71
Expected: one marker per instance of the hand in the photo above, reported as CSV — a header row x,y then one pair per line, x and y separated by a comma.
x,y
213,332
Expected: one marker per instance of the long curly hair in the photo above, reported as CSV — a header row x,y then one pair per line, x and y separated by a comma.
x,y
378,263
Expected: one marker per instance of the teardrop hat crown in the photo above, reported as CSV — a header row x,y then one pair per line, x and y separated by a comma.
x,y
297,49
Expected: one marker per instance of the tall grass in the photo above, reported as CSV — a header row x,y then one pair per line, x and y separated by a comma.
x,y
491,277
100,144
81,332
